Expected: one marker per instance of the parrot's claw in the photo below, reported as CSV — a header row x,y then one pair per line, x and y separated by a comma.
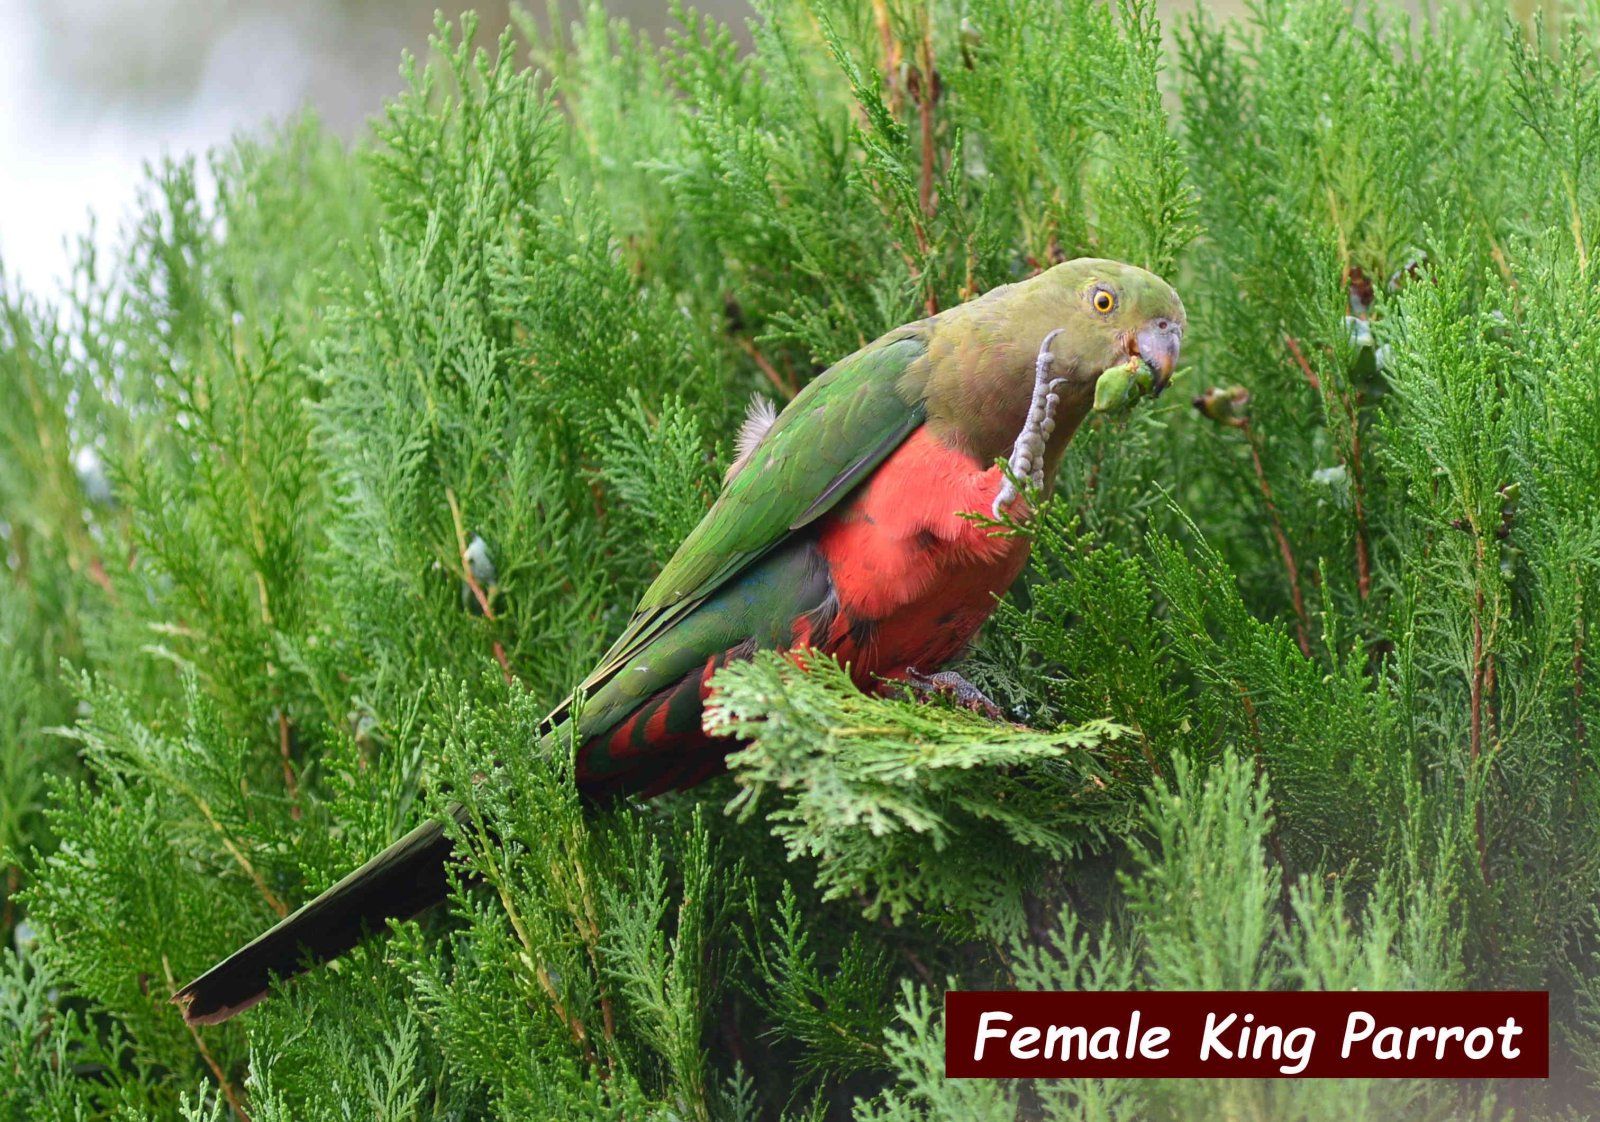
x,y
947,683
1027,454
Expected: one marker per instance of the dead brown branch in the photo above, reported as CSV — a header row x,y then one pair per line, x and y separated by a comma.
x,y
1302,623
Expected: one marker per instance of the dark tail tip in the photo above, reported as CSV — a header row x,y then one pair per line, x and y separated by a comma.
x,y
201,1005
397,884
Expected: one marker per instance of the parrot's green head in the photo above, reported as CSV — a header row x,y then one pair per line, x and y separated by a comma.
x,y
1092,313
1110,312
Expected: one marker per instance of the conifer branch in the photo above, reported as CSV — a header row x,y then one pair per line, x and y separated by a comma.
x,y
1358,503
532,957
519,259
1579,730
1476,700
590,929
1274,838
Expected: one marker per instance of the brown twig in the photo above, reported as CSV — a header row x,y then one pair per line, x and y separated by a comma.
x,y
1302,623
285,743
891,51
969,284
1347,403
238,855
472,583
580,1035
8,915
98,574
914,960
496,877
229,1092
779,382
1491,707
927,92
1300,360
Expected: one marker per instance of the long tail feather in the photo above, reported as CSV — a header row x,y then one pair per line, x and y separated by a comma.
x,y
396,884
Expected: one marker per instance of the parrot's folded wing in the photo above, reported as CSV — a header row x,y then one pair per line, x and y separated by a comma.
x,y
828,439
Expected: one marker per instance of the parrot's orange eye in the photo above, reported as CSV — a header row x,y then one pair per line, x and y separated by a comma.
x,y
1104,301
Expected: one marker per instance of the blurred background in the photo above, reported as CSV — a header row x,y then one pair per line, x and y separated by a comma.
x,y
92,89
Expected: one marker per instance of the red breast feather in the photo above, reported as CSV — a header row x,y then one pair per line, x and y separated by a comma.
x,y
914,579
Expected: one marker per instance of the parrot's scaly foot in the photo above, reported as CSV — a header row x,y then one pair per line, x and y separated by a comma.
x,y
1027,454
948,683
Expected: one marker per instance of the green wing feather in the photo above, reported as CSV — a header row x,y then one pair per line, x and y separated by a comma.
x,y
828,439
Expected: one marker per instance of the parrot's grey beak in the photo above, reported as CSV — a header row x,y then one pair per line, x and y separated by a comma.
x,y
1157,343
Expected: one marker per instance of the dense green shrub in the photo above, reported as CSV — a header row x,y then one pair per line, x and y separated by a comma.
x,y
1306,670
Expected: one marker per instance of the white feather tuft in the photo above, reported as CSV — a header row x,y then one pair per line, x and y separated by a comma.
x,y
758,418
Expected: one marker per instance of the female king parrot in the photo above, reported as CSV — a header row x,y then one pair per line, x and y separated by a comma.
x,y
843,527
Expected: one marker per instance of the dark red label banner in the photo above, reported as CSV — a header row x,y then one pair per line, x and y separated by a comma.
x,y
1226,1034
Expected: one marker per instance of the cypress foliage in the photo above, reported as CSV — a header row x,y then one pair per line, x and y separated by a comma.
x,y
321,488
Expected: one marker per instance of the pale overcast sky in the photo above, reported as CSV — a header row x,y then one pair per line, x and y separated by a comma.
x,y
94,88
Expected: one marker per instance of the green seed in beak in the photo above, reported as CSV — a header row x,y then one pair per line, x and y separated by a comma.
x,y
1121,386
